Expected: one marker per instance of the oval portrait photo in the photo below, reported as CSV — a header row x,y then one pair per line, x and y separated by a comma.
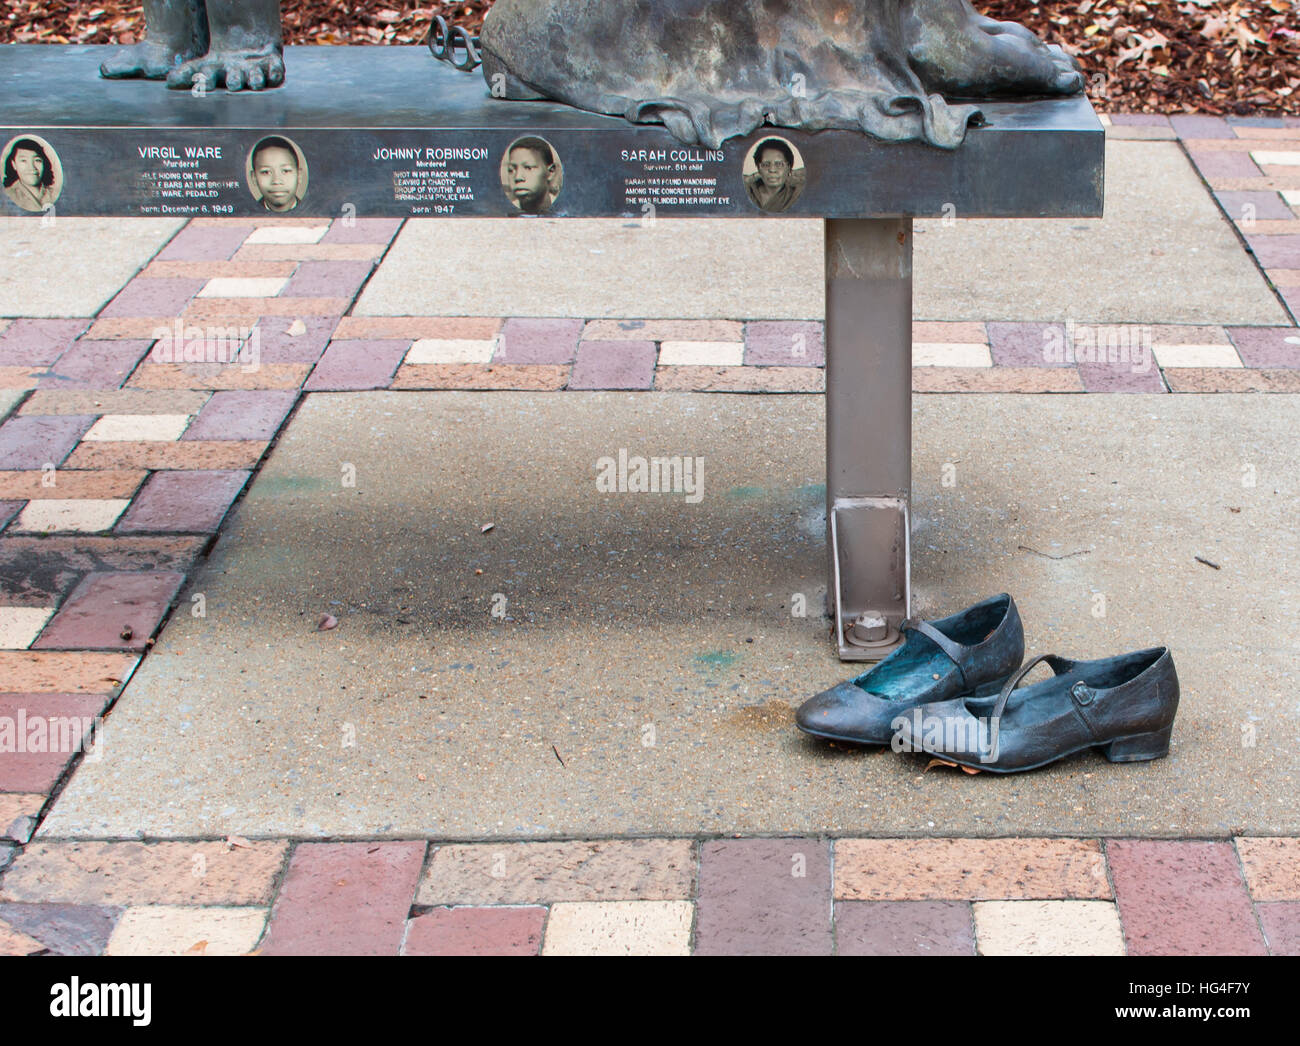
x,y
532,175
774,174
277,173
33,175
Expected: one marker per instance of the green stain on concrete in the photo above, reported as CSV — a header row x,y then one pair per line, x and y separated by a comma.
x,y
275,486
717,659
811,493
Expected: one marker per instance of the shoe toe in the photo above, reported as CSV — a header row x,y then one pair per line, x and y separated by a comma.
x,y
846,712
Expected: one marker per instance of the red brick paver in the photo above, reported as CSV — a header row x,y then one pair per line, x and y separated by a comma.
x,y
111,611
45,732
345,899
1182,898
476,931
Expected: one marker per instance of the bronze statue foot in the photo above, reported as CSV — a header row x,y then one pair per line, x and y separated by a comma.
x,y
233,70
962,54
143,61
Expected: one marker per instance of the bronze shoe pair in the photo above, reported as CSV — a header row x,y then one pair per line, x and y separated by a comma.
x,y
951,691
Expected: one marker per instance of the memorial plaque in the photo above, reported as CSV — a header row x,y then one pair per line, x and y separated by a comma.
x,y
389,132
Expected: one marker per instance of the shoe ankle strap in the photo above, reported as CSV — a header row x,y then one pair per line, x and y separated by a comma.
x,y
955,651
1057,665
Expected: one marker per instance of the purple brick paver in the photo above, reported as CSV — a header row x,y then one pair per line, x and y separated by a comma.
x,y
1028,345
476,931
538,341
96,365
903,928
36,441
1269,206
328,279
1291,295
1139,120
345,899
764,897
241,415
1255,121
779,343
1276,252
64,929
9,509
1201,127
37,343
357,365
277,345
206,243
614,365
1120,377
1281,923
148,296
363,230
1182,898
1215,164
104,607
46,737
183,502
1267,347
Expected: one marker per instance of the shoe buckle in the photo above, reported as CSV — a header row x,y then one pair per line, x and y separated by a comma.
x,y
1083,693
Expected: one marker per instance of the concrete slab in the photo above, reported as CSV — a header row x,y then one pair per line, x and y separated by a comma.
x,y
618,691
1163,254
9,399
73,266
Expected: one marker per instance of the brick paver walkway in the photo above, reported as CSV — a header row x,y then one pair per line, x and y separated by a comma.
x,y
660,896
127,436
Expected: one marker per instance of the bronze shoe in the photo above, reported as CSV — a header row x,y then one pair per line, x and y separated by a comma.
x,y
1123,705
938,660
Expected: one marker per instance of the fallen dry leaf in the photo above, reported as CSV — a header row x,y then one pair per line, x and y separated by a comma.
x,y
955,766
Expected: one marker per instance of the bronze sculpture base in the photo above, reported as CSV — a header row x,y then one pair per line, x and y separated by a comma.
x,y
714,69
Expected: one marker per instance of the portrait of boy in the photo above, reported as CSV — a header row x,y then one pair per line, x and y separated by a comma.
x,y
277,174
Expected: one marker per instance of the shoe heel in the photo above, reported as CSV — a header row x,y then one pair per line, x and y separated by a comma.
x,y
1140,747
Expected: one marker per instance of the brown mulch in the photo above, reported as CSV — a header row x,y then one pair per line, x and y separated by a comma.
x,y
1205,56
1161,56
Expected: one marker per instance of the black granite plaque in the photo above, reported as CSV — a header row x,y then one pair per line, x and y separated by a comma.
x,y
390,132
